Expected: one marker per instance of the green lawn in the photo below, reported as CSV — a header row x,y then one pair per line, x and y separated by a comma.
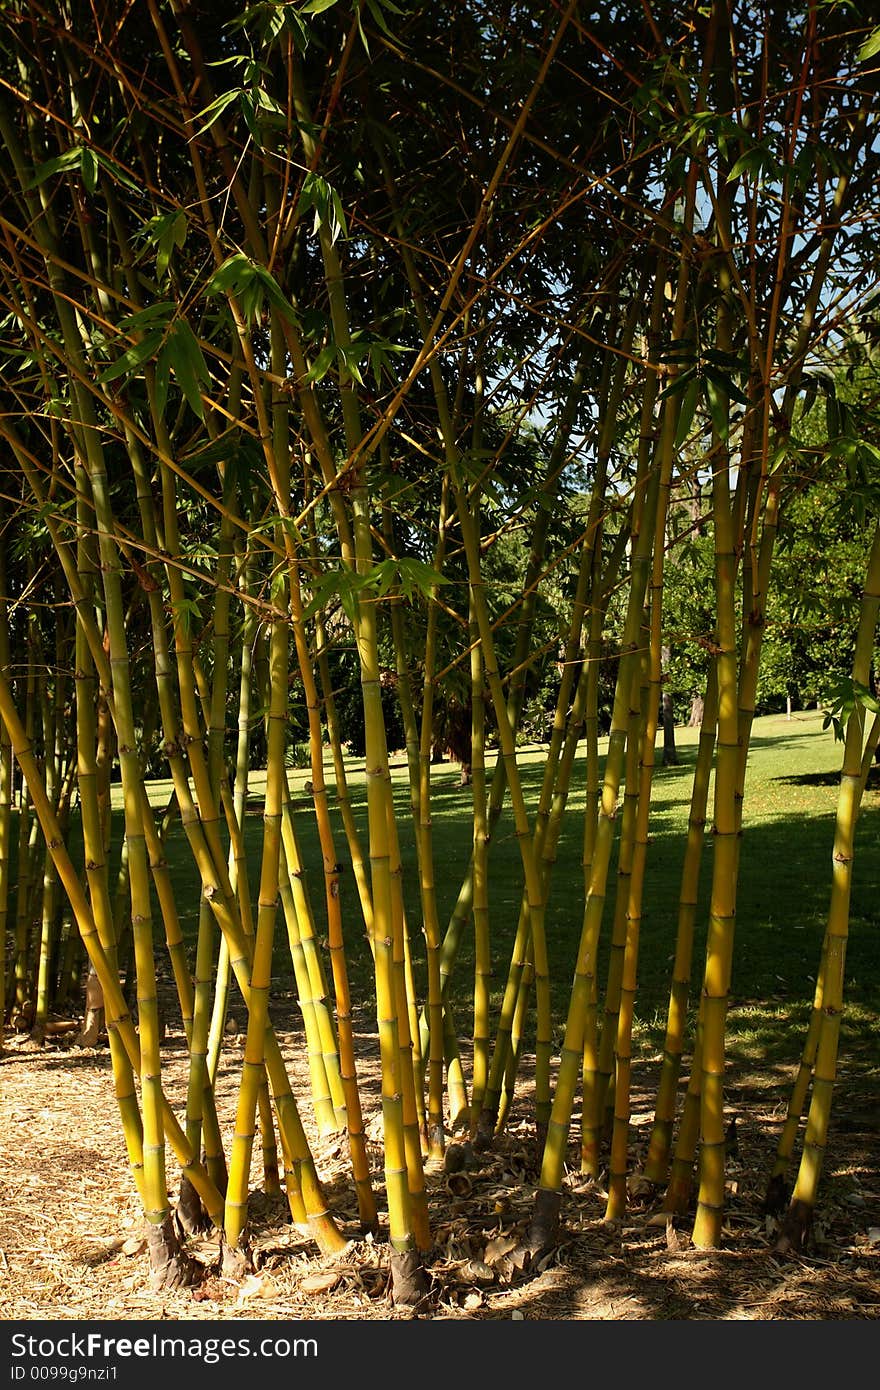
x,y
783,894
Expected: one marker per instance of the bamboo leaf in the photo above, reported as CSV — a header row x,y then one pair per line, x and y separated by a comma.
x,y
89,168
60,164
686,411
211,113
187,361
343,584
418,578
162,380
158,315
322,364
757,162
252,285
186,613
167,232
719,409
117,173
871,47
133,358
678,384
376,8
319,196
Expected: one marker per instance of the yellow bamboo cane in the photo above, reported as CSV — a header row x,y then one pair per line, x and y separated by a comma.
x,y
776,1194
482,945
549,1196
660,1143
719,945
803,1201
253,1069
118,1016
352,1113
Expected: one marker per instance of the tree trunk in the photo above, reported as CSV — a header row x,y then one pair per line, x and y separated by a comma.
x,y
670,756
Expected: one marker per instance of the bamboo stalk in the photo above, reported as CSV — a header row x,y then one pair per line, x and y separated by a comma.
x,y
117,1011
391,1021
253,1069
482,944
803,1200
549,1196
352,1112
719,945
660,1143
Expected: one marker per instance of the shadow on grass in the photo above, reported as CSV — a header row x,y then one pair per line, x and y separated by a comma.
x,y
826,779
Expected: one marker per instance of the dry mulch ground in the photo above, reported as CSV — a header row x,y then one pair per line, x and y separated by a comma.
x,y
70,1229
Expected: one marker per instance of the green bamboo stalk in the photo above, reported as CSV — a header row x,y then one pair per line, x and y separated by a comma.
x,y
322,1101
27,838
350,1113
482,944
253,1068
412,1109
553,796
517,1034
549,1196
407,1281
430,918
96,873
626,852
52,771
776,1194
195,994
411,1051
640,742
660,1143
157,1209
118,1015
531,871
681,1175
719,945
803,1200
326,1032
238,876
342,794
6,791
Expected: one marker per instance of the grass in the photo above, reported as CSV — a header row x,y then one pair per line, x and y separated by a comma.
x,y
783,889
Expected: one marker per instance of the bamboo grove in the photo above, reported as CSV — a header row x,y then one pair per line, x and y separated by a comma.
x,y
362,365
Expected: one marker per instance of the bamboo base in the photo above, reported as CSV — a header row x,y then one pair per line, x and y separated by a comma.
x,y
678,1196
235,1261
326,1234
776,1197
795,1229
540,1141
545,1222
485,1132
170,1267
409,1283
191,1215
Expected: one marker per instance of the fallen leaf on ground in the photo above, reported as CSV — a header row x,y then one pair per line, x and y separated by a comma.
x,y
319,1283
257,1286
